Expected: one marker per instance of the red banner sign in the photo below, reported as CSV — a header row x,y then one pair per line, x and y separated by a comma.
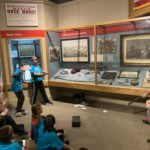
x,y
104,30
22,33
76,33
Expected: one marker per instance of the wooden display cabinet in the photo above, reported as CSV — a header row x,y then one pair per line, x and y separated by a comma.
x,y
114,29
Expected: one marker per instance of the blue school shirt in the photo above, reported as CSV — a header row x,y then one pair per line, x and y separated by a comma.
x,y
17,81
36,69
35,125
48,140
10,146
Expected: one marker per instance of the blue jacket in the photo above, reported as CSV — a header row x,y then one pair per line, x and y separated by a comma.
x,y
10,146
48,140
36,69
17,81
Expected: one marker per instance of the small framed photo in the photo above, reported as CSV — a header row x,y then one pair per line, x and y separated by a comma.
x,y
129,74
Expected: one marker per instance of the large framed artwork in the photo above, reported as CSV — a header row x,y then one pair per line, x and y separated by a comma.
x,y
138,8
26,50
135,50
75,50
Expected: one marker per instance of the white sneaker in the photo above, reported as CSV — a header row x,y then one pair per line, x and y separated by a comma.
x,y
18,114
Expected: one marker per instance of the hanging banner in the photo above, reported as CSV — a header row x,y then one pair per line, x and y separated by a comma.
x,y
21,14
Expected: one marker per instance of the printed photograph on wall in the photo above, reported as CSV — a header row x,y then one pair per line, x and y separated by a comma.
x,y
135,49
54,53
75,50
26,50
107,45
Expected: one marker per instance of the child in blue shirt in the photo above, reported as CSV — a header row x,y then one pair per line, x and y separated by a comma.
x,y
17,89
6,136
47,138
37,75
37,120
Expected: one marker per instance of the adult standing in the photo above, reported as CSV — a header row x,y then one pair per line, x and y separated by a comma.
x,y
38,75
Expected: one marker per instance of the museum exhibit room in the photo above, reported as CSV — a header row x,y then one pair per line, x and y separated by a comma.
x,y
74,74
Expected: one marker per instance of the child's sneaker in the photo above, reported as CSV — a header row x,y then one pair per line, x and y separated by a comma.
x,y
23,112
18,114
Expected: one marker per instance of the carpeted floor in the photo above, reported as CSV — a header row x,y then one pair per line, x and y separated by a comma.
x,y
105,125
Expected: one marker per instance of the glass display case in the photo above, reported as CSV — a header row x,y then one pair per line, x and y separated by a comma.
x,y
112,57
70,55
123,53
22,50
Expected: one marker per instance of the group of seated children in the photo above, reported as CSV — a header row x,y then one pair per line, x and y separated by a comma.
x,y
43,131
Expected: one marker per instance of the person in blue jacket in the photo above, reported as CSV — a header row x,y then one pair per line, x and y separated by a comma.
x,y
6,136
17,89
47,138
37,75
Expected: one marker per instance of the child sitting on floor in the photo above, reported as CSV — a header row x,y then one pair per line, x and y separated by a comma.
x,y
47,138
6,136
6,119
37,120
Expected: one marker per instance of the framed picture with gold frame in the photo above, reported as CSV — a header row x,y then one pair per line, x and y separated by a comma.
x,y
138,8
135,50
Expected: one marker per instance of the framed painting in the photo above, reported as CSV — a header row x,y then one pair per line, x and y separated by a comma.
x,y
26,50
75,50
138,8
135,50
107,45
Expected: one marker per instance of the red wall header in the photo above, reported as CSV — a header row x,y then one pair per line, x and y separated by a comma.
x,y
22,33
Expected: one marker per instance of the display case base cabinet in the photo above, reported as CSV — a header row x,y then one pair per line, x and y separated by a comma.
x,y
100,88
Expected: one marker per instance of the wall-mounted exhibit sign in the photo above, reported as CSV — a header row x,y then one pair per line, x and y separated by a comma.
x,y
22,33
21,14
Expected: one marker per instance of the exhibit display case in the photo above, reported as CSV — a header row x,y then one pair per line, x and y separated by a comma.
x,y
110,57
123,53
22,50
70,55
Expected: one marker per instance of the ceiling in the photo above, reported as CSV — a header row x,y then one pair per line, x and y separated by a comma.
x,y
60,1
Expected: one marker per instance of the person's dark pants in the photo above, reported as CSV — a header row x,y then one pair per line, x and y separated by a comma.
x,y
20,102
38,85
8,120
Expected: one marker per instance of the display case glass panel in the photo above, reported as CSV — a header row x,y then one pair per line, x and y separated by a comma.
x,y
22,50
123,53
71,55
